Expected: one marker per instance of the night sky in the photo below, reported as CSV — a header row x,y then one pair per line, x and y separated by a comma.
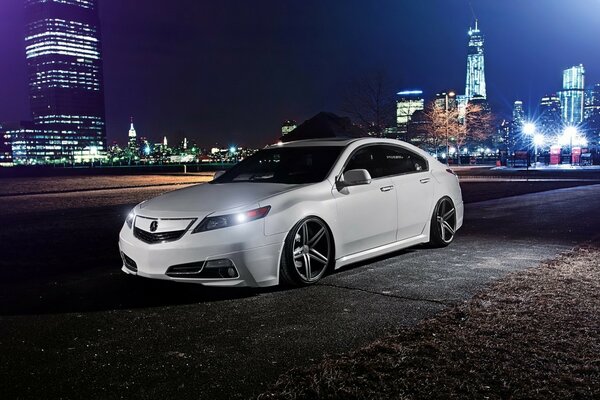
x,y
232,71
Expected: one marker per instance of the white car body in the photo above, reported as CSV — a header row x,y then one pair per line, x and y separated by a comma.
x,y
365,221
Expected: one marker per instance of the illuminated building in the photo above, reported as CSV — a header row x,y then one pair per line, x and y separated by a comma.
x,y
475,65
408,102
132,137
592,111
572,95
64,64
518,113
5,147
288,126
550,121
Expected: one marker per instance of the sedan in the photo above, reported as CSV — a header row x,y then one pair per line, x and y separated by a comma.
x,y
292,212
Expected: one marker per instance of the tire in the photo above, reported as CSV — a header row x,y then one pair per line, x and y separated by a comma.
x,y
307,253
443,223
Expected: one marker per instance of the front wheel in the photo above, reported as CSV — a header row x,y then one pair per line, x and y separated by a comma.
x,y
443,223
307,253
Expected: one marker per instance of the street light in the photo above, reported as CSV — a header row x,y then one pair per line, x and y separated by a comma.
x,y
529,130
447,96
538,141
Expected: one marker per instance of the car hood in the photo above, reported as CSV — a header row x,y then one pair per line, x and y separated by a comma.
x,y
203,199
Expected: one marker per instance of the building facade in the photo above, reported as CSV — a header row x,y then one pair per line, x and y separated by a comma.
x,y
572,95
409,101
550,120
475,85
64,64
518,113
591,112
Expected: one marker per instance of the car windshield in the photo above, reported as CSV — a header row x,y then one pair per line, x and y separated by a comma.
x,y
292,165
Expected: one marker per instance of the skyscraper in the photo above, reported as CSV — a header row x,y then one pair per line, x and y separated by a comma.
x,y
132,137
475,65
572,95
64,63
518,113
592,111
550,121
408,102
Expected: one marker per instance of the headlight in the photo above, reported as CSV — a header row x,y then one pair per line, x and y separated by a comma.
x,y
223,221
129,219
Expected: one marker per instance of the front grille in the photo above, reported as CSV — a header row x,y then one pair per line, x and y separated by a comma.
x,y
159,237
129,263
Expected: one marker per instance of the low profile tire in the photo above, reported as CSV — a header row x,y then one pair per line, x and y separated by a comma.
x,y
307,253
443,223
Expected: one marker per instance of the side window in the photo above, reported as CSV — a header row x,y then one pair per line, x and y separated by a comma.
x,y
369,158
402,161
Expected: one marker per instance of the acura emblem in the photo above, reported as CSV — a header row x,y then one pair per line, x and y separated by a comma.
x,y
153,226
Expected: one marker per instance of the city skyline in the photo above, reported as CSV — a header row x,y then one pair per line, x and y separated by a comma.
x,y
260,107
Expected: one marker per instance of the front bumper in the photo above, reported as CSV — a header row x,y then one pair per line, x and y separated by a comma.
x,y
255,255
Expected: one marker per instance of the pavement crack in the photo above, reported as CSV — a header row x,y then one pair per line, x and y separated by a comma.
x,y
446,303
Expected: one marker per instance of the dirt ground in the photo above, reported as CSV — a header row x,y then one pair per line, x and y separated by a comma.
x,y
534,334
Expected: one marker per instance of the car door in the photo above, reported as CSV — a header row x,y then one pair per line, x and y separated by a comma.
x,y
367,214
413,184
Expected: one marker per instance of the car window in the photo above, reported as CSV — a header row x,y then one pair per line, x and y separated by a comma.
x,y
401,161
290,165
369,158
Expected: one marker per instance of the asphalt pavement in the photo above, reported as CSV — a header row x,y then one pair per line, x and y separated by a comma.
x,y
73,326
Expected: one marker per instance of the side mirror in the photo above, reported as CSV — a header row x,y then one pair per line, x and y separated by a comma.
x,y
354,177
218,174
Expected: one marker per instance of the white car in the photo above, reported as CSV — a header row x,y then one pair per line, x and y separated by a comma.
x,y
292,212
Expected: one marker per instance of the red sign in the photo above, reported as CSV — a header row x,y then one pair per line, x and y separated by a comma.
x,y
555,155
575,155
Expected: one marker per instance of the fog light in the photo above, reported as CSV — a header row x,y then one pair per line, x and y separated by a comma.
x,y
222,268
223,263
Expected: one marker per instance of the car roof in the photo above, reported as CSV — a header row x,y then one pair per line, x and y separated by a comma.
x,y
339,142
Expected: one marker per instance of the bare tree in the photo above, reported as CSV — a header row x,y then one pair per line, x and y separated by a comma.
x,y
369,102
442,125
477,125
474,123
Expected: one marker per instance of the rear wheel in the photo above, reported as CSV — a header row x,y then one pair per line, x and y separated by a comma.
x,y
307,252
443,223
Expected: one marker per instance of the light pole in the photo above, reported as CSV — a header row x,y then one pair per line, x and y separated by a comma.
x,y
571,132
529,130
447,96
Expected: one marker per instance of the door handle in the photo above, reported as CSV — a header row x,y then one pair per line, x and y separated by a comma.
x,y
386,188
424,180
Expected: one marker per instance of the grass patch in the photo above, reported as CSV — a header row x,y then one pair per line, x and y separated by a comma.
x,y
533,334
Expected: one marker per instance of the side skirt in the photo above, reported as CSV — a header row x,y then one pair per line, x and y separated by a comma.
x,y
381,250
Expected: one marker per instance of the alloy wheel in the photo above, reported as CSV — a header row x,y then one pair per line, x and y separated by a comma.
x,y
311,249
446,219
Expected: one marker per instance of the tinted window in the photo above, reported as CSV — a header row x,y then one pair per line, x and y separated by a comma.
x,y
402,161
369,158
292,165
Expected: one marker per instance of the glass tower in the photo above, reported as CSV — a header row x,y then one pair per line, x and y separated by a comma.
x,y
550,114
64,63
572,95
592,111
475,65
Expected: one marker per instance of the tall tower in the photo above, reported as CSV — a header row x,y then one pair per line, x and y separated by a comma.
x,y
475,86
518,113
64,64
572,95
550,120
132,136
